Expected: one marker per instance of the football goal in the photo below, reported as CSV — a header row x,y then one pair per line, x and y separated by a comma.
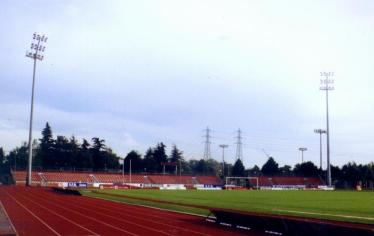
x,y
242,182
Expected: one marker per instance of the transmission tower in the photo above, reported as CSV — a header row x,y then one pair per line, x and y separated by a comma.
x,y
239,143
207,143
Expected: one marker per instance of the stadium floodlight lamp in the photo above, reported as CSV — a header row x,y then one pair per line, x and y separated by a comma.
x,y
319,131
37,48
302,149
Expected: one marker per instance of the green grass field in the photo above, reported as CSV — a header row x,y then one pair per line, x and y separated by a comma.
x,y
338,205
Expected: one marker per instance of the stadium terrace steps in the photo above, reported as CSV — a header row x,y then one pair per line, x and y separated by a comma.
x,y
90,178
188,180
146,180
209,180
20,176
265,181
163,179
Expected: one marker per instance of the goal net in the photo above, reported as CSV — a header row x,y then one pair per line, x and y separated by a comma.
x,y
242,182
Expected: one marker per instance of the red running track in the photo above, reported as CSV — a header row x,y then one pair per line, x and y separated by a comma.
x,y
39,211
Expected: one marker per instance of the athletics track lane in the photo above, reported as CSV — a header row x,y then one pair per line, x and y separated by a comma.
x,y
76,215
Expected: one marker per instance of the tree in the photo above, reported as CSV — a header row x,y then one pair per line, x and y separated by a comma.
x,y
73,149
201,167
149,162
270,168
5,174
136,161
306,169
351,174
160,156
285,170
44,154
255,171
238,169
111,159
18,157
97,149
84,158
176,156
2,156
60,152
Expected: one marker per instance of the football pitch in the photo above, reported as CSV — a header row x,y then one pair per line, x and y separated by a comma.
x,y
348,206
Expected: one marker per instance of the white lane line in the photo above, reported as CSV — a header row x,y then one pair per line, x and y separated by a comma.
x,y
49,227
7,216
326,214
63,217
116,218
139,216
91,218
152,207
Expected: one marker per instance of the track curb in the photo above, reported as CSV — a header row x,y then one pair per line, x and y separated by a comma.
x,y
6,226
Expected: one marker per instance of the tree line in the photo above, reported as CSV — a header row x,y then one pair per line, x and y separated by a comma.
x,y
67,154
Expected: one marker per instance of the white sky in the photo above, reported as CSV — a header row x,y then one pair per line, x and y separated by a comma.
x,y
140,72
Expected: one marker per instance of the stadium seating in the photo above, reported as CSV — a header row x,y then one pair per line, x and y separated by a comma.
x,y
66,177
163,179
159,179
20,176
279,181
262,182
110,178
209,180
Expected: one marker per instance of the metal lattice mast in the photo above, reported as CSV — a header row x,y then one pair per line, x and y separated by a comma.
x,y
37,48
207,154
239,144
325,85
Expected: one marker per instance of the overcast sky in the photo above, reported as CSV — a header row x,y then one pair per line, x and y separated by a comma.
x,y
140,72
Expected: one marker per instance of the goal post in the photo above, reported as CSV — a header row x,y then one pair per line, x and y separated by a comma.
x,y
244,182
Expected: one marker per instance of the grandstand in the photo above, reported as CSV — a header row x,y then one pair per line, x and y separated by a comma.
x,y
156,180
287,182
54,178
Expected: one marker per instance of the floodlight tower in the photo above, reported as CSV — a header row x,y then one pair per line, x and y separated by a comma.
x,y
326,85
223,146
320,132
302,149
37,48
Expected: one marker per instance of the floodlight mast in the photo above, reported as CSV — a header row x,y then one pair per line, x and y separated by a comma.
x,y
302,149
320,132
38,47
325,85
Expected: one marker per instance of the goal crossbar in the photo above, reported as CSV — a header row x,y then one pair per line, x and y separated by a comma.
x,y
238,178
